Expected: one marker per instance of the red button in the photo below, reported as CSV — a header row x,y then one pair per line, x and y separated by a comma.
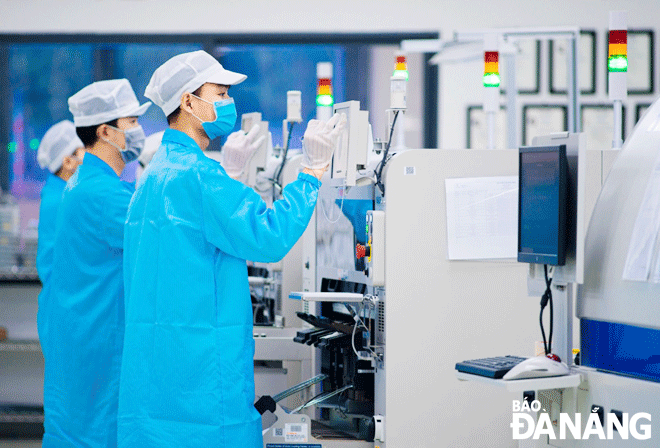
x,y
360,251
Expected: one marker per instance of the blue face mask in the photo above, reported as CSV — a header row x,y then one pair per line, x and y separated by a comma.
x,y
134,143
225,118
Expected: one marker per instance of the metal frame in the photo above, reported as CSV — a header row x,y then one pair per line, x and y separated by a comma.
x,y
537,90
513,34
592,90
570,33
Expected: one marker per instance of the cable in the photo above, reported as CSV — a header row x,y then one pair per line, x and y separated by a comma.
x,y
359,357
545,344
547,297
278,172
341,207
358,322
549,291
383,161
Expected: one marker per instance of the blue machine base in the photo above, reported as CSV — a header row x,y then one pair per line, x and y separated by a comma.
x,y
619,348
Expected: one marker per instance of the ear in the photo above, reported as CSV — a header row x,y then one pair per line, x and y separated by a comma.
x,y
68,163
186,102
102,131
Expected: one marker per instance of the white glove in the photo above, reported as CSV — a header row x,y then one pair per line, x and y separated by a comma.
x,y
320,141
239,149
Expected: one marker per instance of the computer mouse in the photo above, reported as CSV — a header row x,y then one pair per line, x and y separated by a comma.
x,y
537,367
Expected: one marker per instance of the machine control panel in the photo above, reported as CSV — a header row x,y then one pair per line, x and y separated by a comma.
x,y
374,250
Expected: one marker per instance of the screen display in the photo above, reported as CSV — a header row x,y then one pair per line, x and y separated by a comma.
x,y
542,201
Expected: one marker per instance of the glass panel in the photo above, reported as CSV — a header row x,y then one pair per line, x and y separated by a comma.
x,y
271,71
41,79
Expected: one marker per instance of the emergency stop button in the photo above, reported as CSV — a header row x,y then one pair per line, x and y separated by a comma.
x,y
362,251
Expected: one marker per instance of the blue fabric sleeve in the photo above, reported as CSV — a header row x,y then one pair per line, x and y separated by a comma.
x,y
238,222
114,213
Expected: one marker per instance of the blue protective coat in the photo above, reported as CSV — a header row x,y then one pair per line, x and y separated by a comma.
x,y
82,321
51,195
187,376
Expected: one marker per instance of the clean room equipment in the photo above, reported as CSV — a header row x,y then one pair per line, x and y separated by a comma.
x,y
393,249
377,283
615,303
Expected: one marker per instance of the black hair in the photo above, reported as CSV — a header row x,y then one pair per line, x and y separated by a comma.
x,y
87,134
174,115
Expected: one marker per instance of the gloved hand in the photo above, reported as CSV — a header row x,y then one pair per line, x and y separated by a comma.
x,y
320,141
239,149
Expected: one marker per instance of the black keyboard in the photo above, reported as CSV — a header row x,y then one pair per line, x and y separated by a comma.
x,y
490,367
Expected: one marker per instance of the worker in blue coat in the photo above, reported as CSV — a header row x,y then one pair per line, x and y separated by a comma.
x,y
83,317
187,377
60,152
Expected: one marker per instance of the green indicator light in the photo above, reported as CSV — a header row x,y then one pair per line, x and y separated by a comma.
x,y
324,100
367,228
34,143
492,80
11,147
401,73
617,64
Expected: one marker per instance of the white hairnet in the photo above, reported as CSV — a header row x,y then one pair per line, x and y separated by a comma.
x,y
60,141
105,101
186,73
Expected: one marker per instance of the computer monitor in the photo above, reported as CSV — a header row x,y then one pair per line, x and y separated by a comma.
x,y
542,205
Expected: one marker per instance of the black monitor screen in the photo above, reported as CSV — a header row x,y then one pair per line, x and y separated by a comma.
x,y
542,198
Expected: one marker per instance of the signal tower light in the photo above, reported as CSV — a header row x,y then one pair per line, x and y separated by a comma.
x,y
324,93
491,69
400,67
617,57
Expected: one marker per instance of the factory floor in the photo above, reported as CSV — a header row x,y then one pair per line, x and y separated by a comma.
x,y
20,443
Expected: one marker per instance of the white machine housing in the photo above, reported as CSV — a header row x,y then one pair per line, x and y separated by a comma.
x,y
260,158
351,153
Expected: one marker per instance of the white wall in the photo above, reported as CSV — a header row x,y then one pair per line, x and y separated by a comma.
x,y
214,16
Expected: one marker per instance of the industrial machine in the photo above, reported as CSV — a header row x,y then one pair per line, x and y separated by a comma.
x,y
616,303
611,393
386,306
